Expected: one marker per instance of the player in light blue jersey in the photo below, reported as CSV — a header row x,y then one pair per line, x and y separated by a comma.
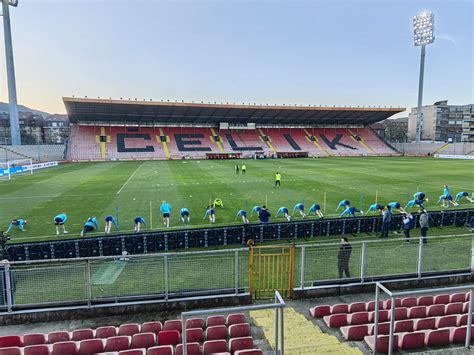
x,y
165,210
255,211
243,214
300,208
89,226
60,220
184,213
211,214
109,221
343,204
138,221
284,212
396,206
375,208
350,211
464,194
316,210
20,223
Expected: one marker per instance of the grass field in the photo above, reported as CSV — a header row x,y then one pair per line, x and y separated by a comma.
x,y
87,189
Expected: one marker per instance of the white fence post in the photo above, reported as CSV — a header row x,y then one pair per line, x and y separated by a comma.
x,y
8,284
165,260
362,262
420,258
236,271
88,283
303,252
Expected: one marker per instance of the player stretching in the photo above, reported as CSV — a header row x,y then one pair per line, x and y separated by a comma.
x,y
284,212
243,214
138,223
184,213
109,220
460,195
350,211
89,226
300,208
396,206
418,199
165,210
446,198
211,214
316,210
343,204
255,210
20,223
60,220
375,208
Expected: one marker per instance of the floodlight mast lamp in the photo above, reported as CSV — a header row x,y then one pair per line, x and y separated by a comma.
x,y
423,34
12,101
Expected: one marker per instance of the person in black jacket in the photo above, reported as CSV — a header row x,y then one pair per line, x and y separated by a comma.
x,y
343,257
264,215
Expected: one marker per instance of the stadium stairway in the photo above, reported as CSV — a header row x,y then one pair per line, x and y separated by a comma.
x,y
301,335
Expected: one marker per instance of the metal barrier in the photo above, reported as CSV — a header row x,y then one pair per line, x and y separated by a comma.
x,y
278,305
394,295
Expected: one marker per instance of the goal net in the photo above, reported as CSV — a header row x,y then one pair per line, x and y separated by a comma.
x,y
12,168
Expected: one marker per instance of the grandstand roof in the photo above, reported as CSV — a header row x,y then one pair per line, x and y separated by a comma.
x,y
86,110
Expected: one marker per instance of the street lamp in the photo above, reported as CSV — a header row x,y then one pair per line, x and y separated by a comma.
x,y
12,100
423,34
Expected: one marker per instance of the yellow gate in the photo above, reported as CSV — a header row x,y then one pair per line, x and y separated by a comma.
x,y
272,269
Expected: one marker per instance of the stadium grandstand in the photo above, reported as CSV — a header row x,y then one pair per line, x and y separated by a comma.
x,y
127,130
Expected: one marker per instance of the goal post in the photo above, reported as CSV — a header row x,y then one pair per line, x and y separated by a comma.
x,y
15,167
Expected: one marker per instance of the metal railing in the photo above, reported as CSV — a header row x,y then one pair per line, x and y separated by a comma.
x,y
278,304
394,295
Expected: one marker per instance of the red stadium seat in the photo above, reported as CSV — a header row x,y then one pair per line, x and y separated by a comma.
x,y
453,308
383,316
465,308
336,320
425,301
118,343
194,335
249,352
358,318
370,306
382,343
82,334
320,311
384,328
446,321
388,303
91,346
152,327
214,346
458,335
441,299
34,339
65,348
194,323
9,341
161,350
169,337
12,350
409,302
239,330
436,338
40,349
56,337
173,324
129,329
143,340
403,326
216,332
243,343
355,332
133,352
417,312
339,308
457,297
435,310
357,307
411,341
105,332
400,313
462,319
215,320
425,323
235,318
192,349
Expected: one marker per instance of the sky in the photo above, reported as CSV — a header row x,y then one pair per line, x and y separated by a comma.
x,y
276,52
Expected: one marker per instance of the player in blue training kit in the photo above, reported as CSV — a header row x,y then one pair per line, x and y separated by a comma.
x,y
300,208
343,204
446,198
20,223
165,210
89,226
350,211
316,210
184,213
242,214
60,220
109,220
211,214
418,199
460,195
396,206
138,223
255,210
375,207
284,212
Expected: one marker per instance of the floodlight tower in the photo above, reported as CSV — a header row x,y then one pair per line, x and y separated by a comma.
x,y
423,34
12,102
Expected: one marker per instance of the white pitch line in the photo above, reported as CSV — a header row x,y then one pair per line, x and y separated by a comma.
x,y
130,178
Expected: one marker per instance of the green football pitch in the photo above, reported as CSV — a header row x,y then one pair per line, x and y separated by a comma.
x,y
137,189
